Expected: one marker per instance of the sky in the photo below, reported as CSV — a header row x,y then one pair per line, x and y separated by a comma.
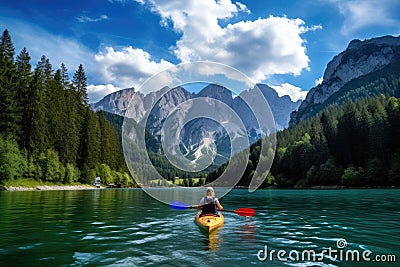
x,y
121,43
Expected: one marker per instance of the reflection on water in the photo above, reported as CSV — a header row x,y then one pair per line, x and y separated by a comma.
x,y
248,231
214,240
125,227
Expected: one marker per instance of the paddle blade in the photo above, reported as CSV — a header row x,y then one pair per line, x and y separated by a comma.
x,y
178,205
247,212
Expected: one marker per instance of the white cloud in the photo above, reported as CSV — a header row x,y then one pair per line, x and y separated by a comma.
x,y
128,67
319,80
360,14
258,48
96,92
85,19
294,92
243,7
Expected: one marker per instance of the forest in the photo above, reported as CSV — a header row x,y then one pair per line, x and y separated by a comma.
x,y
48,133
354,144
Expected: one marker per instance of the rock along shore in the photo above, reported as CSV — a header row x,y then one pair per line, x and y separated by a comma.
x,y
50,187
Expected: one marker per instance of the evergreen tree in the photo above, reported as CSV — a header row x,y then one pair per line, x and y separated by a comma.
x,y
38,133
345,137
376,173
90,147
378,132
393,115
110,145
24,74
64,76
56,111
72,128
6,46
74,115
9,106
330,173
80,85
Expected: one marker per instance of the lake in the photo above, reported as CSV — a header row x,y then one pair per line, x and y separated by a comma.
x,y
126,227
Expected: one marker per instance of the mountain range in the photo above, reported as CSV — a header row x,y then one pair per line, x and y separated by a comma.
x,y
200,137
118,101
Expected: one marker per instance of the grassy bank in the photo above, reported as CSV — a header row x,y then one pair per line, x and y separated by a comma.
x,y
32,183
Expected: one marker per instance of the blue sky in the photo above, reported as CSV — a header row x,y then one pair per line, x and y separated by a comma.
x,y
121,43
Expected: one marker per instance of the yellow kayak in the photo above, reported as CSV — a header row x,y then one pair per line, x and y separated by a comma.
x,y
209,222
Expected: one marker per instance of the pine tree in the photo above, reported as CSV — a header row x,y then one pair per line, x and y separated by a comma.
x,y
72,120
64,77
111,153
37,134
345,136
90,146
80,85
24,74
44,71
72,128
9,107
6,46
56,112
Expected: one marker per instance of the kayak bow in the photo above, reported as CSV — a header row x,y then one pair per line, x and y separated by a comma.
x,y
209,222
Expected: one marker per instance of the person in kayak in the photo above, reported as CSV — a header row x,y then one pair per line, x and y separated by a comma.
x,y
209,204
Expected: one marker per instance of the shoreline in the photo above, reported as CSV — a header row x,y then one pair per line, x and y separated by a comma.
x,y
49,188
90,187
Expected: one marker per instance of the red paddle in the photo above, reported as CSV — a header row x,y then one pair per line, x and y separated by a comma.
x,y
246,212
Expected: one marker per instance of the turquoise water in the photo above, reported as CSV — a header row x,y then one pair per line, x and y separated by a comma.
x,y
125,227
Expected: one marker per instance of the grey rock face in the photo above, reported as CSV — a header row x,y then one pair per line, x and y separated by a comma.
x,y
201,134
360,58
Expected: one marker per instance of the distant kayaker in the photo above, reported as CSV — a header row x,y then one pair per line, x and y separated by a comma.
x,y
209,204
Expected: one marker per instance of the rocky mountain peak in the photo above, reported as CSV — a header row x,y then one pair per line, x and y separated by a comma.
x,y
217,92
360,58
384,40
118,101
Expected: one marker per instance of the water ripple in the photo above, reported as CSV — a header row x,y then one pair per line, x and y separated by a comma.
x,y
128,228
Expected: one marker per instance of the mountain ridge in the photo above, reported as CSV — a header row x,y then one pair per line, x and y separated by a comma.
x,y
201,134
360,58
117,102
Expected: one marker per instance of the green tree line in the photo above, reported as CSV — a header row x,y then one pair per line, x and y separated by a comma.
x,y
355,144
47,130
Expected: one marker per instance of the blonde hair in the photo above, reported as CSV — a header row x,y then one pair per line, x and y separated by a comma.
x,y
210,192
